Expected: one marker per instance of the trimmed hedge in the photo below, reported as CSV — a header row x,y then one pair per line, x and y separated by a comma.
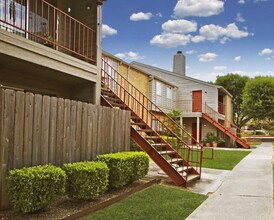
x,y
34,188
86,180
125,167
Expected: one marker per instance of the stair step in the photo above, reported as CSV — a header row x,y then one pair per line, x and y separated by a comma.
x,y
152,137
138,123
167,152
175,160
192,177
182,169
145,130
121,105
114,99
159,145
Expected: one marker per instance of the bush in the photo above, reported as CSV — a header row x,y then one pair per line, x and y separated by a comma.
x,y
86,180
34,188
140,165
125,167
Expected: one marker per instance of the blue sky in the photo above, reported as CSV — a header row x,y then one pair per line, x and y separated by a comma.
x,y
216,36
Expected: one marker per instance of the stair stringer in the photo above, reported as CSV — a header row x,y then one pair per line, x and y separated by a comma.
x,y
225,130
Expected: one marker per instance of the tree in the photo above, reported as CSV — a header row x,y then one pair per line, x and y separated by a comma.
x,y
258,98
235,84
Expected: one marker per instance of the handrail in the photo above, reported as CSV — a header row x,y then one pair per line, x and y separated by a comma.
x,y
169,123
48,25
140,104
214,115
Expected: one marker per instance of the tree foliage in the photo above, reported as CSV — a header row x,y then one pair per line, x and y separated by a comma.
x,y
235,84
258,98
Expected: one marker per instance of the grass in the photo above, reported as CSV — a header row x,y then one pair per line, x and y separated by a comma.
x,y
155,203
224,159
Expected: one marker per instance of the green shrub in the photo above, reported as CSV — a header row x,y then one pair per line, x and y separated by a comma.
x,y
140,165
120,168
125,167
34,188
86,180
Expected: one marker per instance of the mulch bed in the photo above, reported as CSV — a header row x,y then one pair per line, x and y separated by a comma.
x,y
67,208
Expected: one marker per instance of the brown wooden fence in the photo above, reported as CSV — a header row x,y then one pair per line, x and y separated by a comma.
x,y
36,130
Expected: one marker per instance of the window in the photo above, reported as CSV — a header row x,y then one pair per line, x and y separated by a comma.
x,y
169,98
158,93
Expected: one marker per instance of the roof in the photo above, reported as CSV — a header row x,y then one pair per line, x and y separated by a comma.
x,y
134,63
141,70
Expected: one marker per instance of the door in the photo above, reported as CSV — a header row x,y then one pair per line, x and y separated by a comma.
x,y
197,101
194,133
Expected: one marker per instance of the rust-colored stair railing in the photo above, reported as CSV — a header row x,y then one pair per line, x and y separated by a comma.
x,y
171,131
212,116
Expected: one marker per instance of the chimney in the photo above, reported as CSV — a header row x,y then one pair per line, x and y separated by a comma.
x,y
179,63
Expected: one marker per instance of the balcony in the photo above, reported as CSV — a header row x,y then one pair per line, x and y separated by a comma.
x,y
44,23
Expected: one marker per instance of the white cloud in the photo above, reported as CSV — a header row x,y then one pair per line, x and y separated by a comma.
x,y
213,32
239,17
129,56
159,15
179,26
189,52
241,1
220,68
140,16
266,52
238,58
198,39
199,8
108,31
208,57
255,1
169,40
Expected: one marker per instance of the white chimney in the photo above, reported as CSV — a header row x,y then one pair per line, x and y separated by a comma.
x,y
179,63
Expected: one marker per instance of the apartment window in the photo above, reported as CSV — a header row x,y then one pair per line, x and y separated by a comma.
x,y
14,13
158,93
169,97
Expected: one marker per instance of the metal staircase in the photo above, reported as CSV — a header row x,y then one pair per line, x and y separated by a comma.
x,y
211,116
161,137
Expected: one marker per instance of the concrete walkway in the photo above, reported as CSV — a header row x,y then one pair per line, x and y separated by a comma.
x,y
246,193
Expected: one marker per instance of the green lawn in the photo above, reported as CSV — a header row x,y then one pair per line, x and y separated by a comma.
x,y
154,203
223,159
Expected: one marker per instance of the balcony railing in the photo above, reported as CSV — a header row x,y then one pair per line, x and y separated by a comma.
x,y
42,22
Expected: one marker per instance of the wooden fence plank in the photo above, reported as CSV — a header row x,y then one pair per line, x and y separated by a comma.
x,y
84,133
52,130
19,129
89,132
111,143
94,131
44,152
2,104
78,131
37,130
73,123
8,143
60,132
67,138
28,130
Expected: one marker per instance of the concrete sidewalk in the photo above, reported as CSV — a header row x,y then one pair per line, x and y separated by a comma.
x,y
246,193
